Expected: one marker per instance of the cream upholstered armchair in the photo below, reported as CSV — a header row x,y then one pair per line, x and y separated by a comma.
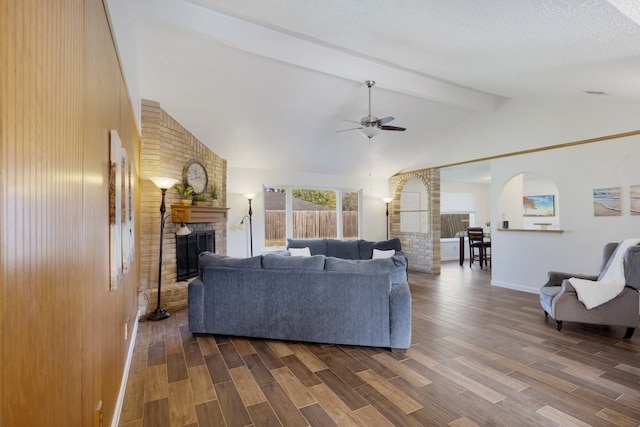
x,y
560,301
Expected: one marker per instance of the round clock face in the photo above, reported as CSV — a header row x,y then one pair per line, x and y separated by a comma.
x,y
195,175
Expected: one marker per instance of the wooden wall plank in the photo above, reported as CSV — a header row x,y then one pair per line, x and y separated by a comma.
x,y
41,183
63,345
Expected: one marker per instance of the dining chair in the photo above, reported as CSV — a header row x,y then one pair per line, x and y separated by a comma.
x,y
479,249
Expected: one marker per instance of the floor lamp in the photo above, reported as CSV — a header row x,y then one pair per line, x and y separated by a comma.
x,y
164,184
386,201
249,197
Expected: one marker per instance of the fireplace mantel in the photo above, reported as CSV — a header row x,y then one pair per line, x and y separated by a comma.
x,y
193,214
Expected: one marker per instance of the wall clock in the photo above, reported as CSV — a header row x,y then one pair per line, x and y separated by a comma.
x,y
195,175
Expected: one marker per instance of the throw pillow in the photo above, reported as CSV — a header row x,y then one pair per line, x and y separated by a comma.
x,y
367,247
299,251
378,253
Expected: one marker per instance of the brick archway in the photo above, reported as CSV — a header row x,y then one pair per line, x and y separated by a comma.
x,y
422,248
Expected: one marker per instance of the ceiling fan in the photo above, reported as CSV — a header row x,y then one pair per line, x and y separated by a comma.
x,y
371,125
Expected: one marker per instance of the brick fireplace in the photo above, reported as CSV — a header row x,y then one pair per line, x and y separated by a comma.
x,y
166,147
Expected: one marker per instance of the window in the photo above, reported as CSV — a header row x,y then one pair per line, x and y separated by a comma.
x,y
350,208
306,213
452,223
314,213
275,209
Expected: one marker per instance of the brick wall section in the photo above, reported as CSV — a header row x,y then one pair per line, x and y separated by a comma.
x,y
422,249
165,148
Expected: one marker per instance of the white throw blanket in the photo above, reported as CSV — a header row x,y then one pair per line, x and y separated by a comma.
x,y
594,293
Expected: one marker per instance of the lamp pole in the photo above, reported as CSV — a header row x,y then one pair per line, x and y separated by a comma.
x,y
386,201
159,313
163,184
250,197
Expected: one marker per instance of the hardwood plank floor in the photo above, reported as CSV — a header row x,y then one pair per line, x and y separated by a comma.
x,y
480,356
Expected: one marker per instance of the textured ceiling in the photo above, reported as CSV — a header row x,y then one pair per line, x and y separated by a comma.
x,y
496,46
267,83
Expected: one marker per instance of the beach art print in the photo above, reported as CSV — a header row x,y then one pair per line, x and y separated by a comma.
x,y
538,205
634,199
607,201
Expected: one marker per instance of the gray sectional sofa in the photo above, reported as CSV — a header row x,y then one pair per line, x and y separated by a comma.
x,y
319,298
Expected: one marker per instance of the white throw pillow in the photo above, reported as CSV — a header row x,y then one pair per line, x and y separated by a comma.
x,y
377,253
299,251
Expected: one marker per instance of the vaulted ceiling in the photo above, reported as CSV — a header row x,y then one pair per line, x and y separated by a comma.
x,y
266,84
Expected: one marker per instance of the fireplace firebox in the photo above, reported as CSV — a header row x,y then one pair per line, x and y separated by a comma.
x,y
187,250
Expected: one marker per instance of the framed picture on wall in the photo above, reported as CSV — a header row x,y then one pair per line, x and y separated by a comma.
x,y
115,209
634,199
539,206
607,201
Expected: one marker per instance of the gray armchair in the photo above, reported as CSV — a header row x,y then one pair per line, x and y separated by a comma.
x,y
560,301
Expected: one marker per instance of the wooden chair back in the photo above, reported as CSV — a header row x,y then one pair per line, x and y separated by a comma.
x,y
475,234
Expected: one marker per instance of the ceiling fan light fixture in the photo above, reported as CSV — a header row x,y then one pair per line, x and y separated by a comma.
x,y
369,131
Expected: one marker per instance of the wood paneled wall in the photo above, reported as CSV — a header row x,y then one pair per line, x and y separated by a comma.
x,y
63,346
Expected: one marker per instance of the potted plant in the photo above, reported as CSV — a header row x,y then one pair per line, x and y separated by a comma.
x,y
214,194
199,200
186,191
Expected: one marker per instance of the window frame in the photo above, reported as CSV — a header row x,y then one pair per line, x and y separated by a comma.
x,y
289,208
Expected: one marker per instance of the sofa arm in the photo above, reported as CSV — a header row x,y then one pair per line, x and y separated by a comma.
x,y
196,306
400,316
556,277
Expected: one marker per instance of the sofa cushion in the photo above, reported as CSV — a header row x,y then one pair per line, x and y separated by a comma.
x,y
315,262
347,249
299,252
379,253
396,266
209,259
316,246
366,247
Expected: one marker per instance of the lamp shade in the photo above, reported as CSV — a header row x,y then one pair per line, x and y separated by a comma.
x,y
163,182
387,199
183,230
250,196
370,131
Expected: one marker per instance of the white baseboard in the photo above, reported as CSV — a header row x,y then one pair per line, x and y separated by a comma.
x,y
515,287
125,375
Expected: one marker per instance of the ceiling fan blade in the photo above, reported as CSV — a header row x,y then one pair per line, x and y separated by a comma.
x,y
344,130
385,120
350,121
392,128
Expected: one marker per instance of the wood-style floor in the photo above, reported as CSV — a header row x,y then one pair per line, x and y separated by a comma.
x,y
480,355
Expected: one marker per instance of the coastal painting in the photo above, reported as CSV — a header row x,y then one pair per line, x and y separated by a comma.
x,y
538,205
607,201
634,199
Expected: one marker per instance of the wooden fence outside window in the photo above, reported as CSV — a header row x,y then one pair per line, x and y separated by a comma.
x,y
308,225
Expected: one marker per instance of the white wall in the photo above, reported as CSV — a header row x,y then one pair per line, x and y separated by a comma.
x,y
481,199
526,124
521,260
241,181
121,18
509,206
